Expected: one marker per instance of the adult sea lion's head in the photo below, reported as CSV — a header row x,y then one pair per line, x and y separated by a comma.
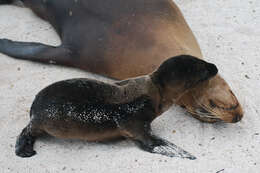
x,y
212,101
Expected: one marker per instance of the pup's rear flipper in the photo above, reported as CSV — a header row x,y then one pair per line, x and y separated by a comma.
x,y
24,143
157,145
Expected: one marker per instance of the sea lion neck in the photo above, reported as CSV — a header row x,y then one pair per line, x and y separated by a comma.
x,y
134,88
166,99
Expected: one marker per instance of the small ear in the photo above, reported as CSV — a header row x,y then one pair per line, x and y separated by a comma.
x,y
212,69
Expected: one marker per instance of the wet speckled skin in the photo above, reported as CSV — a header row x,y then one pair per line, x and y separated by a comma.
x,y
82,109
95,111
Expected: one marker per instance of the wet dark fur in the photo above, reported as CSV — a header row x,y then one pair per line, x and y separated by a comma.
x,y
96,111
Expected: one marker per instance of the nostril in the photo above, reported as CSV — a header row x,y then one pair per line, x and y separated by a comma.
x,y
182,106
237,118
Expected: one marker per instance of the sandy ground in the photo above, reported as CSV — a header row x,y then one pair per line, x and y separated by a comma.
x,y
229,35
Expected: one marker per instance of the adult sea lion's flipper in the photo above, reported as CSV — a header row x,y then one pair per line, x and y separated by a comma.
x,y
6,1
36,52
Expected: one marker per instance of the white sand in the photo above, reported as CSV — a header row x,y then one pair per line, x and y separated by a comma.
x,y
229,35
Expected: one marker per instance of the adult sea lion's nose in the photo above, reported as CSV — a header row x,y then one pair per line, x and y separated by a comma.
x,y
237,118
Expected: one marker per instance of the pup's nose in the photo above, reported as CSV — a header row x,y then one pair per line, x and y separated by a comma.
x,y
237,118
213,70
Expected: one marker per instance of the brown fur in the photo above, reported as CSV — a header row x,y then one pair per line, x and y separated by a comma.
x,y
123,39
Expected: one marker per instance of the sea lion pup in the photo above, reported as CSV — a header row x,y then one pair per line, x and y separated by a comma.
x,y
96,111
123,39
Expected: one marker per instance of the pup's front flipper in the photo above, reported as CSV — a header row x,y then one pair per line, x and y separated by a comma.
x,y
140,133
157,145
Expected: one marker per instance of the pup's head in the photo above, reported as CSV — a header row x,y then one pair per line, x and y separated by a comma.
x,y
178,74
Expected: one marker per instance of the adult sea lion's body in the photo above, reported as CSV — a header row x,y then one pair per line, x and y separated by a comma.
x,y
96,111
123,39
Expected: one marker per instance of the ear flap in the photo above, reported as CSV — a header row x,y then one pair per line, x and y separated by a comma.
x,y
212,69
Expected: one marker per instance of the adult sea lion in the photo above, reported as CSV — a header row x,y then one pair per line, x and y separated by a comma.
x,y
122,39
95,111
